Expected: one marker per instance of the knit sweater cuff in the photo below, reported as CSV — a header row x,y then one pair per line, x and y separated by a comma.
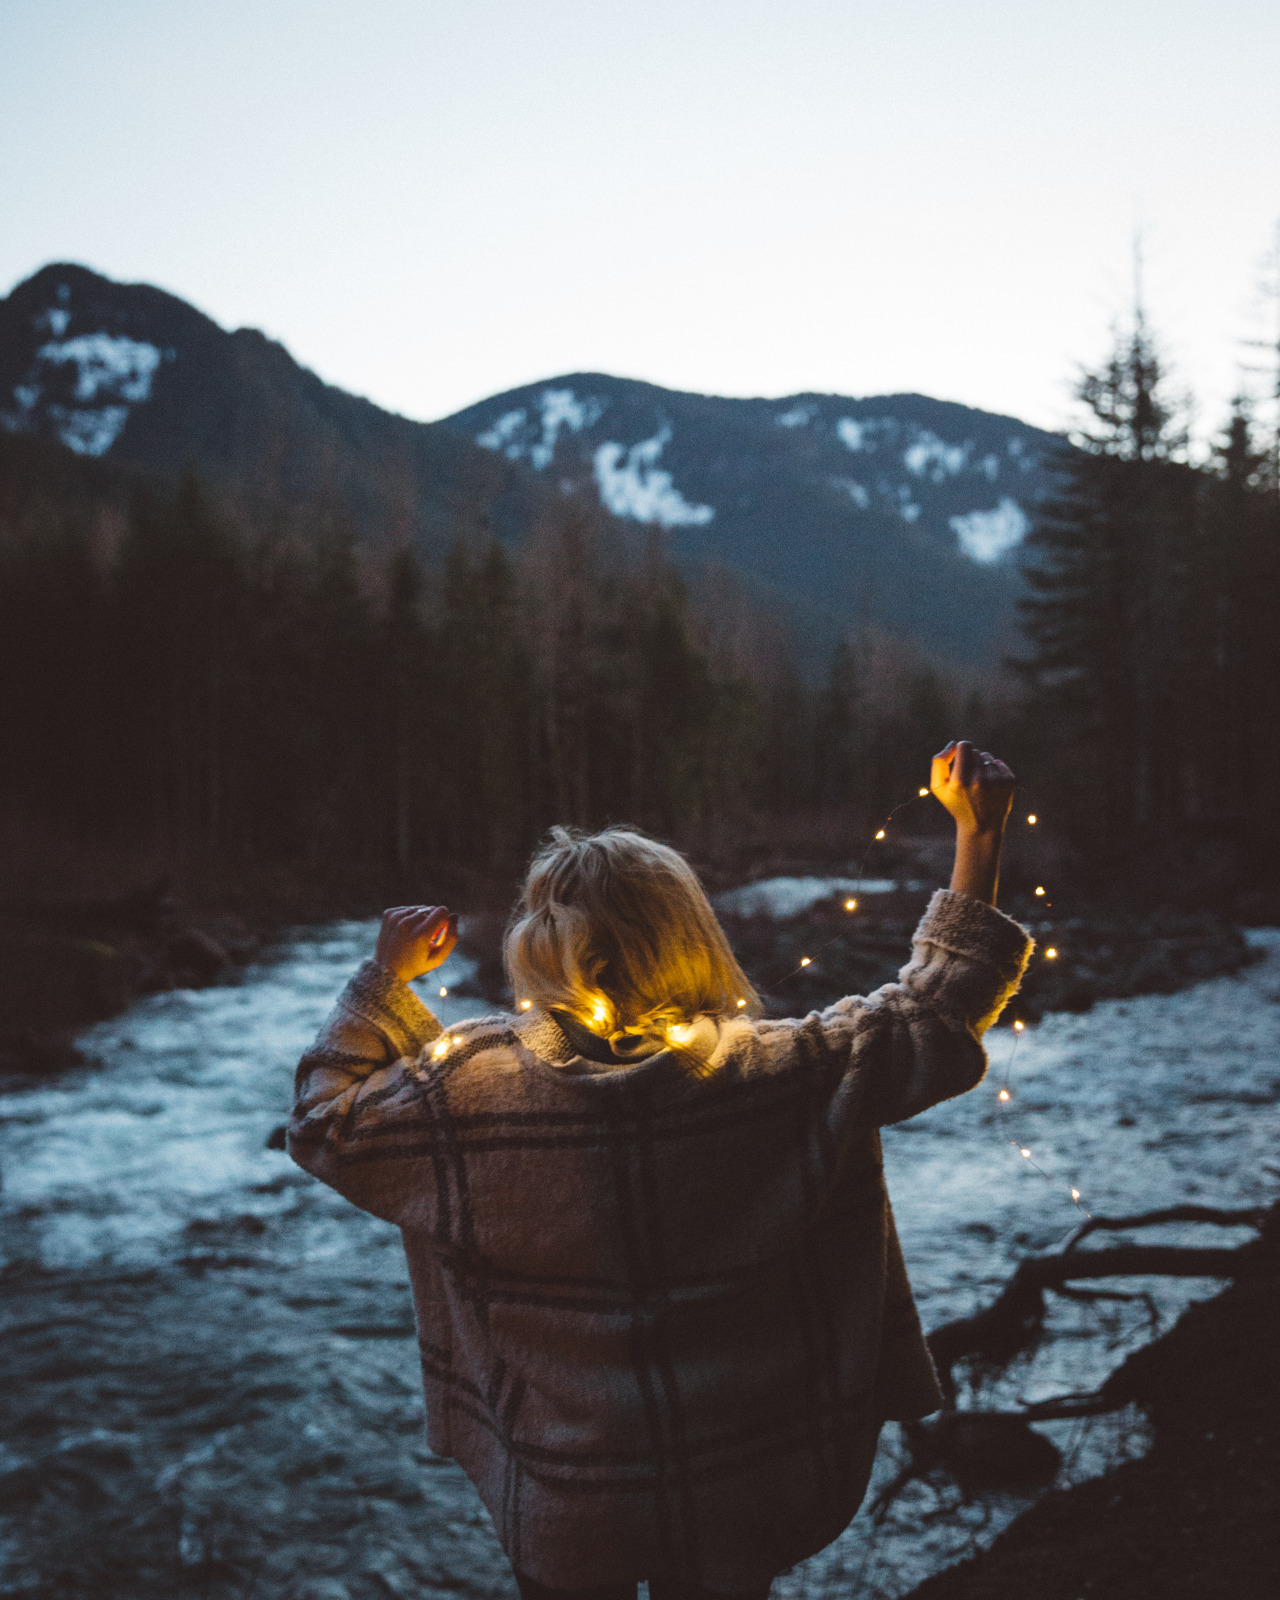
x,y
971,928
388,1004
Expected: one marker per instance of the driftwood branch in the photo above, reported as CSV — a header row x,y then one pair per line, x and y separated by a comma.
x,y
1013,1322
999,1447
1248,1217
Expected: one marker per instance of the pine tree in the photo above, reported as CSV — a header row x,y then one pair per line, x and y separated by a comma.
x,y
1107,576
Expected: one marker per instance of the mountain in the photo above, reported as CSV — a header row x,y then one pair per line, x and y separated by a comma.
x,y
131,374
897,509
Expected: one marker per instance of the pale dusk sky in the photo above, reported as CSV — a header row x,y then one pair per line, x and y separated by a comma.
x,y
430,202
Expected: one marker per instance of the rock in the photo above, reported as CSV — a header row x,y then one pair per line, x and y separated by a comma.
x,y
38,1054
990,1450
48,981
198,953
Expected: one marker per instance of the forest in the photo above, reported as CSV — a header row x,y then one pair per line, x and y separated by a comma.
x,y
269,701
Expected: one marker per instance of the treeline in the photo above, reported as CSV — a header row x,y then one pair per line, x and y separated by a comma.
x,y
196,689
1152,677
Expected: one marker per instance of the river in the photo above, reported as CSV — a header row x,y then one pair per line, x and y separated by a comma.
x,y
211,1380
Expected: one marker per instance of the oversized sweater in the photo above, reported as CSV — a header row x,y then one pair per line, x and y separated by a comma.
x,y
662,1312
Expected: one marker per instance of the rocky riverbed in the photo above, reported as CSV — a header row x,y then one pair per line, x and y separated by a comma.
x,y
64,964
814,955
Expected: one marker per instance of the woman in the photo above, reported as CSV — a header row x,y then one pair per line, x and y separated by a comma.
x,y
661,1306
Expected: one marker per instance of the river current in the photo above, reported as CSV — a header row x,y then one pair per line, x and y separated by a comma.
x,y
203,1332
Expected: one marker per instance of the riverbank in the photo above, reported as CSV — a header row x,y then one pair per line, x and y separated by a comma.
x,y
1196,1517
850,943
67,963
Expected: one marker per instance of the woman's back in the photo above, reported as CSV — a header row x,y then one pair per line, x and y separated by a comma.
x,y
661,1306
662,1310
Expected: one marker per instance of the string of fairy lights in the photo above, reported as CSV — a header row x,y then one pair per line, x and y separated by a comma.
x,y
1004,1095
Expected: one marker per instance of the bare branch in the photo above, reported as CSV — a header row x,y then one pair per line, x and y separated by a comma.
x,y
1248,1217
1012,1323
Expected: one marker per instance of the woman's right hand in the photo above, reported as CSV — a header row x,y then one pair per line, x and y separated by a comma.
x,y
974,786
415,939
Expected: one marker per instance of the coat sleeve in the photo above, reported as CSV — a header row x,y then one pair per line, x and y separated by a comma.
x,y
361,1119
912,1043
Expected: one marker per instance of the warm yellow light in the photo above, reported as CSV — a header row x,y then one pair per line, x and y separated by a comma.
x,y
443,991
806,961
1003,1095
851,905
598,1011
525,1004
1018,1027
923,792
457,1039
1032,819
880,835
680,1032
1026,1153
741,1003
1039,890
1051,954
1075,1194
441,1049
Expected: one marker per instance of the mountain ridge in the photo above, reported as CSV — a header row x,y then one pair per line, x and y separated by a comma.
x,y
901,511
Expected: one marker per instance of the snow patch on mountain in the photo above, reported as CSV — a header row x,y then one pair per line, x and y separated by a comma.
x,y
856,491
79,385
797,417
515,436
930,456
987,535
633,485
852,433
502,435
117,366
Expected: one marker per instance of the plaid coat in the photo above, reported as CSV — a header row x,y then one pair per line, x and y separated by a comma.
x,y
662,1313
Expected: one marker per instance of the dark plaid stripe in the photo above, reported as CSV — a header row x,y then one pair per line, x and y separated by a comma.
x,y
620,1148
707,1461
660,1291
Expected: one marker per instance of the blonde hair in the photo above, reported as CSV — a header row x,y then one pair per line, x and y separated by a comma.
x,y
616,929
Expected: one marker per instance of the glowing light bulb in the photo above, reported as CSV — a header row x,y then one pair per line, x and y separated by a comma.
x,y
1026,1153
1075,1194
741,1003
525,1004
806,961
1018,1027
1032,819
1051,954
851,905
598,1012
880,835
457,1039
441,1049
1003,1095
443,991
923,792
1039,890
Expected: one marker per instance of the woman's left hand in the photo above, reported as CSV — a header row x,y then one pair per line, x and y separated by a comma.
x,y
415,939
